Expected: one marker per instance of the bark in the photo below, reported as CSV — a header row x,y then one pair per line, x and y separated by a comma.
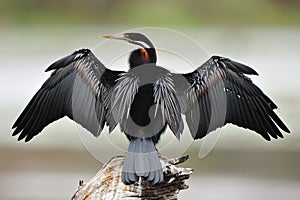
x,y
107,184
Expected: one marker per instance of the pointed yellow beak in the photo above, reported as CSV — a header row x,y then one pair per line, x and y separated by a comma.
x,y
113,37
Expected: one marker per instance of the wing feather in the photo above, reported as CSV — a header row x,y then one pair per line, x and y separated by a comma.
x,y
123,96
224,94
79,87
166,101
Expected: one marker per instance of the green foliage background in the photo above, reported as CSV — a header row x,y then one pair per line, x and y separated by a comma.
x,y
151,13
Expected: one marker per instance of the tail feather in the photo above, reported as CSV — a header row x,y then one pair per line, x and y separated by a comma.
x,y
142,161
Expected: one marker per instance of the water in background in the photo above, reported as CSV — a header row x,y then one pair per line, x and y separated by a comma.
x,y
241,166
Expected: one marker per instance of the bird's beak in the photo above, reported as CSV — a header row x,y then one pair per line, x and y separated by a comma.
x,y
115,37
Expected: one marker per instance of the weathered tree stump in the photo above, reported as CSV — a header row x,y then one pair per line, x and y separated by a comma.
x,y
107,184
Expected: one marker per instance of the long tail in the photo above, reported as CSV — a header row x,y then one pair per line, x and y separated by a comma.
x,y
142,161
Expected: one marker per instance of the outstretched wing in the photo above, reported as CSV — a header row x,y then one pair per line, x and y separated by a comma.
x,y
219,92
79,87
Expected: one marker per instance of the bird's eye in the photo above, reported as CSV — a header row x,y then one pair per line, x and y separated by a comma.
x,y
126,35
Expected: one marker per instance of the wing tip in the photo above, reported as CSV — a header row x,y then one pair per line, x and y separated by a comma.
x,y
15,132
14,126
235,66
286,129
68,59
22,136
28,138
266,136
276,135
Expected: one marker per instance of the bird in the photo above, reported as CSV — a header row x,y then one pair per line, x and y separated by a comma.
x,y
147,99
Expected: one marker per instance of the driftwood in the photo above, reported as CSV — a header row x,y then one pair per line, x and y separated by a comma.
x,y
107,184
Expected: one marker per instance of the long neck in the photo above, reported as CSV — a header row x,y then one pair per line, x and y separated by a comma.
x,y
152,55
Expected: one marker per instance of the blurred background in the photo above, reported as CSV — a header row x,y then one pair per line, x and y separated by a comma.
x,y
261,33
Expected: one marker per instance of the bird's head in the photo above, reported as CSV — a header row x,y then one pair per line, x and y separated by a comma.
x,y
144,55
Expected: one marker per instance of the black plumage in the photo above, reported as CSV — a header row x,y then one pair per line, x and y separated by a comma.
x,y
246,105
146,100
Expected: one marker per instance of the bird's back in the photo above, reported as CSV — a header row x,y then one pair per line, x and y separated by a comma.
x,y
144,120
